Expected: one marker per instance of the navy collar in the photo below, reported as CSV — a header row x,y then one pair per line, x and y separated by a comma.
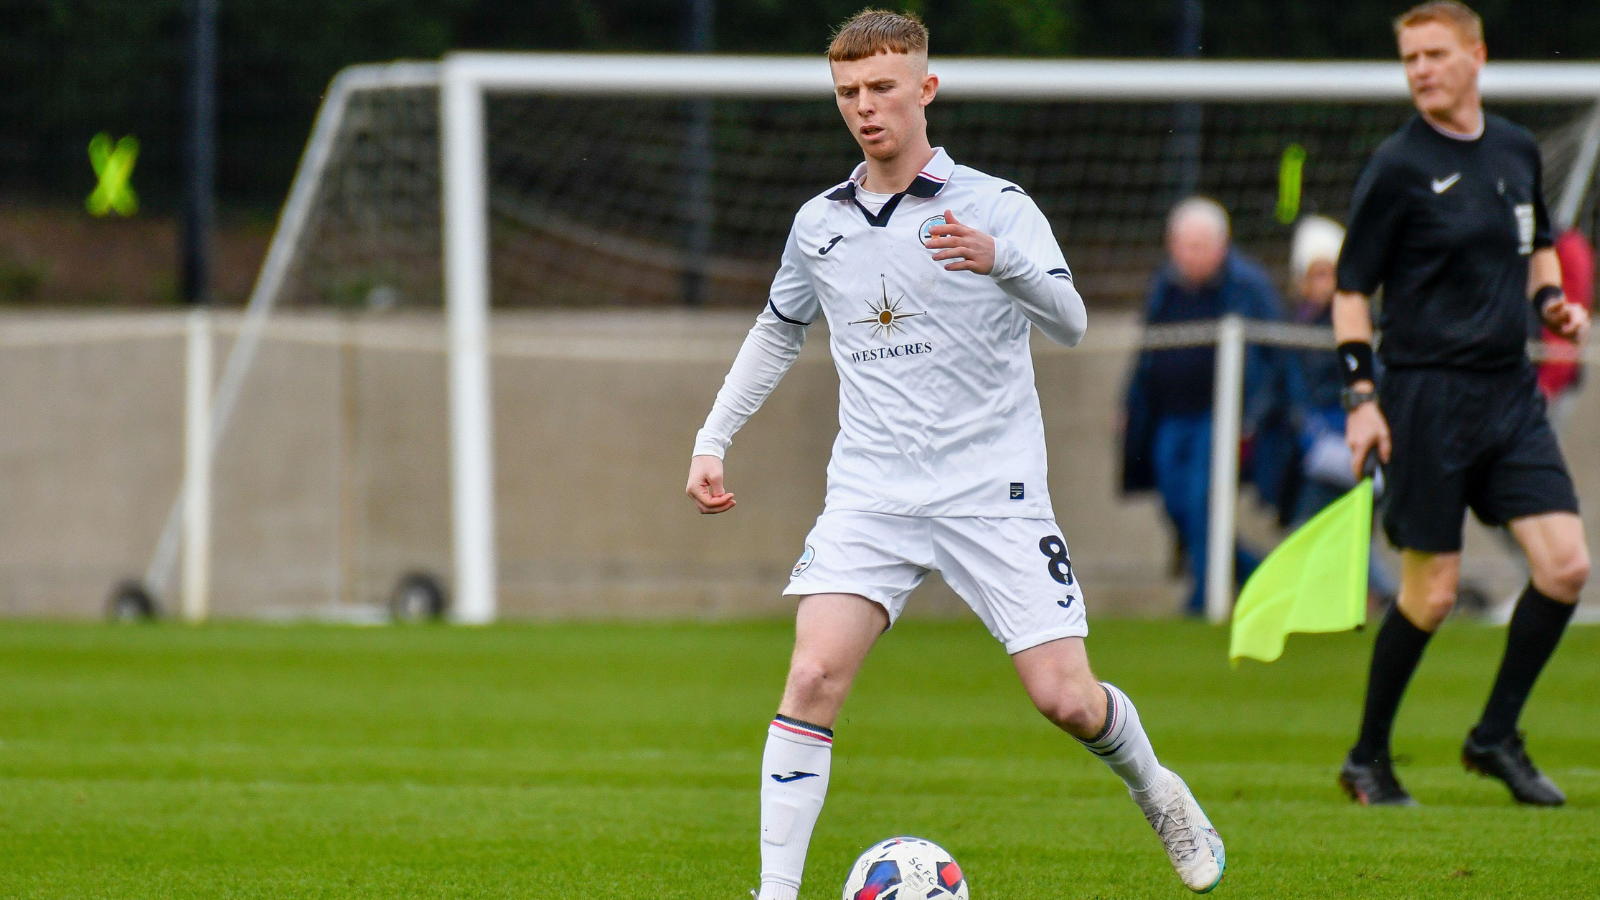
x,y
928,183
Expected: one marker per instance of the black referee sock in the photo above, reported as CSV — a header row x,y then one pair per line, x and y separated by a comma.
x,y
1536,628
1395,654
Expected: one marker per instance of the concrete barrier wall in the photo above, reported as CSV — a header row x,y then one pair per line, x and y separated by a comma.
x,y
332,480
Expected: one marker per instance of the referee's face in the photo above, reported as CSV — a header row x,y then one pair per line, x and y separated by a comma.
x,y
1441,68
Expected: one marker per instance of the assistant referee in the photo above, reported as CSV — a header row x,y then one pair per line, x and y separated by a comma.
x,y
1449,219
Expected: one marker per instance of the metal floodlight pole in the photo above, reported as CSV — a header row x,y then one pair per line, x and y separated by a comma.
x,y
698,206
201,152
1187,117
197,230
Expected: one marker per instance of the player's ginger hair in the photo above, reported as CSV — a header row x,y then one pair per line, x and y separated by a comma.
x,y
874,31
1455,14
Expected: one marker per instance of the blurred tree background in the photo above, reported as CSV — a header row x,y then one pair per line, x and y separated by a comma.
x,y
72,68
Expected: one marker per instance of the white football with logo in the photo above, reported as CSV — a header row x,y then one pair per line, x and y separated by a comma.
x,y
905,868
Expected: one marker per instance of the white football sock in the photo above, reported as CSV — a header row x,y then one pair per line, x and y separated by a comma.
x,y
1123,744
794,782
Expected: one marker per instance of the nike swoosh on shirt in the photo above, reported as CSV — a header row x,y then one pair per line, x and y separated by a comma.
x,y
1440,185
836,239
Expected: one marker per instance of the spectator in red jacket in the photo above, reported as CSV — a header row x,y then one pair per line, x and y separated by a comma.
x,y
1559,377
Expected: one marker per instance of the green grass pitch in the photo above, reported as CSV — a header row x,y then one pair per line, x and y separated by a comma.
x,y
620,761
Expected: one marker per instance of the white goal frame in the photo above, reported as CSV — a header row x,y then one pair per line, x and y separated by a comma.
x,y
464,79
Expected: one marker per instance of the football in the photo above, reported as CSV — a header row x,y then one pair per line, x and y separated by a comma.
x,y
905,868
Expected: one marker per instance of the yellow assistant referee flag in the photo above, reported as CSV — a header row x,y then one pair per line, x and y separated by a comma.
x,y
1315,581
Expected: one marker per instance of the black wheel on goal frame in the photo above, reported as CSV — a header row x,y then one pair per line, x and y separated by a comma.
x,y
418,597
131,602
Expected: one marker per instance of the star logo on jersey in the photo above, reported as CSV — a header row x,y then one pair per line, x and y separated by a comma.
x,y
886,315
1440,185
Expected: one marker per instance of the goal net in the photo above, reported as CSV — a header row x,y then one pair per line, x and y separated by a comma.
x,y
597,233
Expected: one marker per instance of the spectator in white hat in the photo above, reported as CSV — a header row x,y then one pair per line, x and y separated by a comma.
x,y
1326,462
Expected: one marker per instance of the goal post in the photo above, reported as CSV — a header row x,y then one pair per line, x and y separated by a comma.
x,y
465,83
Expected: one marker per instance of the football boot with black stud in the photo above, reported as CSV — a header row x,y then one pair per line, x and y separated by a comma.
x,y
1373,783
1508,761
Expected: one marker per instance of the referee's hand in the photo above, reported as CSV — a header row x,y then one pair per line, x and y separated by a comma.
x,y
1365,430
1569,320
705,486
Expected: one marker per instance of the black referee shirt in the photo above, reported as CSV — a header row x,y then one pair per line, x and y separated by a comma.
x,y
1446,226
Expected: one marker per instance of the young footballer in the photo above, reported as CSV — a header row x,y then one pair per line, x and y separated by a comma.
x,y
931,275
1450,219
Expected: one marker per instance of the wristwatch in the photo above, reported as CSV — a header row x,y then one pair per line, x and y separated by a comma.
x,y
1350,398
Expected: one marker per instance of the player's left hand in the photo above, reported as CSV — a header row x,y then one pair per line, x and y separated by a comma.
x,y
1568,319
972,250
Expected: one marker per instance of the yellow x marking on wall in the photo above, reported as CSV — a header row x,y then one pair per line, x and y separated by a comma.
x,y
114,166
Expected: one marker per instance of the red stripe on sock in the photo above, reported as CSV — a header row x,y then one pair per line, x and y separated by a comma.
x,y
801,731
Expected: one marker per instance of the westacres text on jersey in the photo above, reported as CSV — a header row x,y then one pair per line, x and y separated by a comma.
x,y
891,352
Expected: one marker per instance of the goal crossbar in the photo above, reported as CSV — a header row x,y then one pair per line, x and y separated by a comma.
x,y
463,79
805,77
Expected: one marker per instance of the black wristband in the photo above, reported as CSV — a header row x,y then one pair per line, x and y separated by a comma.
x,y
1355,362
1543,296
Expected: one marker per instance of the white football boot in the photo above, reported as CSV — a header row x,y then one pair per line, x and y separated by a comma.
x,y
1193,846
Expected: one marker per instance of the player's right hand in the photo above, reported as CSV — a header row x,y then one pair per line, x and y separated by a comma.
x,y
1364,430
705,486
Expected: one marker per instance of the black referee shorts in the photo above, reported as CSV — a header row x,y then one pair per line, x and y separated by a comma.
x,y
1467,439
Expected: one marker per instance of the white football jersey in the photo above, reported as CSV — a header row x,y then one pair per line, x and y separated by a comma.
x,y
938,415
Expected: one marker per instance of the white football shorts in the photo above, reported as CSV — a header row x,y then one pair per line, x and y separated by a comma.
x,y
1014,573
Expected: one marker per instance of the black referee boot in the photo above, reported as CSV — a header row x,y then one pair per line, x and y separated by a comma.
x,y
1508,761
1373,783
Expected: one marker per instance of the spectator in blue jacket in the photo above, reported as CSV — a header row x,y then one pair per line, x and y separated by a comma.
x,y
1167,441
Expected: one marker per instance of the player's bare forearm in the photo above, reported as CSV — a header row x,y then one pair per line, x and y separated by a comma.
x,y
705,486
1562,316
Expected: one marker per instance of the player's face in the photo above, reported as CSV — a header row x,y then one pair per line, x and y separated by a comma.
x,y
882,99
1441,68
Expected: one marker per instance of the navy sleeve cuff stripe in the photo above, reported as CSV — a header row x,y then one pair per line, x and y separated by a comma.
x,y
784,317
